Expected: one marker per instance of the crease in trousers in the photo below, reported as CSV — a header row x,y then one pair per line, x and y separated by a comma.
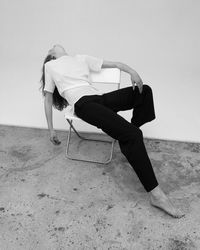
x,y
101,111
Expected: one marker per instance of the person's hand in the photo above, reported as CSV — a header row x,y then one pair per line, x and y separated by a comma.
x,y
54,138
135,79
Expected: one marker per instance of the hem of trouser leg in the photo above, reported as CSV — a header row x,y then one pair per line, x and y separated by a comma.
x,y
150,189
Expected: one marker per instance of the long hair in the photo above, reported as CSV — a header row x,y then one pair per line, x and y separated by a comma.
x,y
58,101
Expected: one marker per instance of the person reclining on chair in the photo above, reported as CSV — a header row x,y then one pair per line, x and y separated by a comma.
x,y
65,81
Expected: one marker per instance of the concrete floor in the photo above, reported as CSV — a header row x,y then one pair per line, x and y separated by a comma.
x,y
50,202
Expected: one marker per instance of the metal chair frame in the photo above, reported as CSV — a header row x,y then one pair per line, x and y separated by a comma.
x,y
71,126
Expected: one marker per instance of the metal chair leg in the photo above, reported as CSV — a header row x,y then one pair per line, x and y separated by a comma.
x,y
84,138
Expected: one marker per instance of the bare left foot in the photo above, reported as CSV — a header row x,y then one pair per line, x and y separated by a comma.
x,y
159,199
166,205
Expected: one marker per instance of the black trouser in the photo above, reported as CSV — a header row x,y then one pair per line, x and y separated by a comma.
x,y
101,111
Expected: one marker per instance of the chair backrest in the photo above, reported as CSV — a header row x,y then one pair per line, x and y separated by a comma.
x,y
106,75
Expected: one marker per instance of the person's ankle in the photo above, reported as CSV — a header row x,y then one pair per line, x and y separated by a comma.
x,y
157,192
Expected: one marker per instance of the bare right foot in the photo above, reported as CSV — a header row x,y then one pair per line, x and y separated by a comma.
x,y
160,200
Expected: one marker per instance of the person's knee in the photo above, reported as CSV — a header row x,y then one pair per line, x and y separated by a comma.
x,y
147,88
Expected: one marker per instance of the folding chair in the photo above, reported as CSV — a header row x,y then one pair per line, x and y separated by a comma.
x,y
105,76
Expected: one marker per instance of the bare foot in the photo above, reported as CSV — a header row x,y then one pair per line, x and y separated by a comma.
x,y
165,204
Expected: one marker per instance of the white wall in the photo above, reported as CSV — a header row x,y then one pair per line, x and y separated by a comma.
x,y
159,38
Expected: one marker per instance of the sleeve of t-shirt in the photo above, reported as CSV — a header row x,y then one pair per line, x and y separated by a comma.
x,y
94,63
49,82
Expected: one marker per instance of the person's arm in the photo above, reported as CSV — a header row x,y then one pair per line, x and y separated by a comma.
x,y
135,78
48,101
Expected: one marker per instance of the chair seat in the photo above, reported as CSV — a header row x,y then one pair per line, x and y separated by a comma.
x,y
69,114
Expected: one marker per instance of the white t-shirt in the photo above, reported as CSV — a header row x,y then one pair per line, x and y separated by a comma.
x,y
71,76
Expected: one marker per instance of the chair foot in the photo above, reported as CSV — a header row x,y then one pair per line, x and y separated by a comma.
x,y
90,160
83,138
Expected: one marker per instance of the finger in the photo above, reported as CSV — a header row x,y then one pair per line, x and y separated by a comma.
x,y
57,141
52,141
140,86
